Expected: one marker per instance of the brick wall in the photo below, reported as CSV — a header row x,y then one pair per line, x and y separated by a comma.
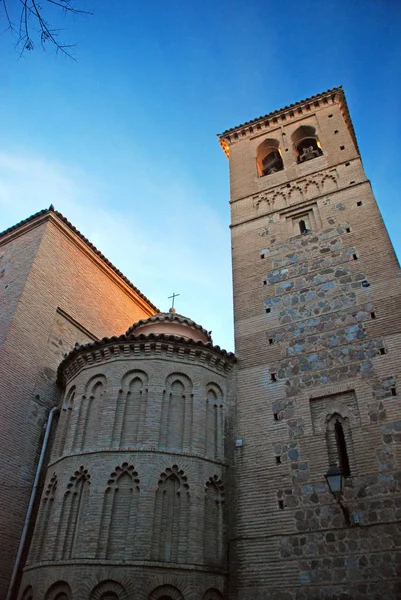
x,y
59,291
135,487
318,332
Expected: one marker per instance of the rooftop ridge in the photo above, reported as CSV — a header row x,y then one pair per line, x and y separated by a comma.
x,y
170,317
63,219
338,89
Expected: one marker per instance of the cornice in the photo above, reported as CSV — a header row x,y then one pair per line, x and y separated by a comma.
x,y
136,450
169,317
143,346
80,241
126,564
22,227
289,113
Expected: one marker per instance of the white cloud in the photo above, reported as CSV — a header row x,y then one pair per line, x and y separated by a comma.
x,y
167,240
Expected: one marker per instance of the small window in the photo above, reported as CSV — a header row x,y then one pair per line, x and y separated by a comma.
x,y
330,116
267,309
271,341
382,351
359,203
262,256
273,376
373,315
264,282
393,390
355,256
348,230
302,226
275,416
281,504
336,131
339,443
347,164
342,147
365,283
342,449
278,460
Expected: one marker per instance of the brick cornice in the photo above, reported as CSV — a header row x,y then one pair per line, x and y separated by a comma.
x,y
288,113
139,449
150,346
85,246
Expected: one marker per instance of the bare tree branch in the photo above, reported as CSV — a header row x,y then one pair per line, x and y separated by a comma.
x,y
28,21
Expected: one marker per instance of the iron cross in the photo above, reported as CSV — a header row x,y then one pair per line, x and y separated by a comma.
x,y
173,297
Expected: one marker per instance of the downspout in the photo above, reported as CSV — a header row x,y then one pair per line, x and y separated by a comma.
x,y
31,503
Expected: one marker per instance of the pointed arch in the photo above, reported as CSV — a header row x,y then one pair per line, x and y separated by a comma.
x,y
296,195
131,409
108,590
171,516
64,421
311,190
59,591
27,593
279,200
119,514
177,412
214,522
91,410
72,531
214,424
212,594
329,184
166,591
42,548
339,443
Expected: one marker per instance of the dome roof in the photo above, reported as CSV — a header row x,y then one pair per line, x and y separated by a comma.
x,y
170,323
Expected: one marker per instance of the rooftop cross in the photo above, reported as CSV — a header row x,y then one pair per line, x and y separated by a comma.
x,y
173,297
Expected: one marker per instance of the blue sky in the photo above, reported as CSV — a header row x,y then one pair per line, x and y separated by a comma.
x,y
123,141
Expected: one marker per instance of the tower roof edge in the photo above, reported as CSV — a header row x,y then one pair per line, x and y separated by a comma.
x,y
275,113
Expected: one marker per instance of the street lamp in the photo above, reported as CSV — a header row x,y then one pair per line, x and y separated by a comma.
x,y
335,482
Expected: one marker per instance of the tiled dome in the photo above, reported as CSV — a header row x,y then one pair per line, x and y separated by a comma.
x,y
170,323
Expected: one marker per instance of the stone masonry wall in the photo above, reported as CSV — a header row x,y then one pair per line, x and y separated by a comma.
x,y
318,340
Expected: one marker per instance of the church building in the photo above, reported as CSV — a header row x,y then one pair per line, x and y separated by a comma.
x,y
139,461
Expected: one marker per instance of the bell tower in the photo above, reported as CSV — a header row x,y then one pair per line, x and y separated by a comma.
x,y
317,310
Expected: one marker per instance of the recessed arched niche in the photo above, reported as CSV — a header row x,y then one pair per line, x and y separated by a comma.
x,y
306,143
268,158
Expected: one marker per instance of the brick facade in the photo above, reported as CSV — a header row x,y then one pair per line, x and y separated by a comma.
x,y
177,472
134,498
55,290
318,335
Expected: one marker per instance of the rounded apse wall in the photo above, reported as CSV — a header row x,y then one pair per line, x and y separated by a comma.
x,y
136,485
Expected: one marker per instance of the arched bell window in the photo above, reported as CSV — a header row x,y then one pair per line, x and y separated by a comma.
x,y
306,143
268,158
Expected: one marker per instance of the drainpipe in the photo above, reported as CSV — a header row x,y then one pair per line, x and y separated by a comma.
x,y
31,503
